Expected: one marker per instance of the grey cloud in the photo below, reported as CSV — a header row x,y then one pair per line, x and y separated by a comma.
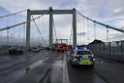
x,y
90,8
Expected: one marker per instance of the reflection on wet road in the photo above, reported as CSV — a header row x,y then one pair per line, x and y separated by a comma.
x,y
48,67
104,71
32,68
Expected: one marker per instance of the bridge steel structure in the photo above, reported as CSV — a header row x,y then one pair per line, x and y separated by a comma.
x,y
51,12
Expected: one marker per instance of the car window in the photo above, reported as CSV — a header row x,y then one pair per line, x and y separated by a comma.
x,y
83,52
80,47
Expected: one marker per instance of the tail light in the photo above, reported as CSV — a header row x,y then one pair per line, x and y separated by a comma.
x,y
76,57
94,58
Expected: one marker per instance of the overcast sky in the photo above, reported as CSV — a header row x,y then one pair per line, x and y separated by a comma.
x,y
107,11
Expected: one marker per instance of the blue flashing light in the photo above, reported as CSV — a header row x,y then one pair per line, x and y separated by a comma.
x,y
85,48
76,48
81,48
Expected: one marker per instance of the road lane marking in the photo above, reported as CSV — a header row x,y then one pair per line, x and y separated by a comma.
x,y
65,71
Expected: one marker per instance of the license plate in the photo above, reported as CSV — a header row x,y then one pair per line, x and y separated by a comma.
x,y
74,60
85,56
87,62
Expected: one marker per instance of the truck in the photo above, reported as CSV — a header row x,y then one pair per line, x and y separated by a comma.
x,y
60,46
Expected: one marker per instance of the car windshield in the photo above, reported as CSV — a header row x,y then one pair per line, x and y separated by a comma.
x,y
82,47
83,52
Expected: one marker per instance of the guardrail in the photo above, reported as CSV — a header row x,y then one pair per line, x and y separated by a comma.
x,y
113,50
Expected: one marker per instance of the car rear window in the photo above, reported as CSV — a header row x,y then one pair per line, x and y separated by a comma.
x,y
80,47
83,52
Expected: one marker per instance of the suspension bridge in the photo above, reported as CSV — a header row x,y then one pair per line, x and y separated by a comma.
x,y
31,28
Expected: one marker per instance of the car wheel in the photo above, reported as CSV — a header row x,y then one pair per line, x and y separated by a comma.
x,y
10,53
22,52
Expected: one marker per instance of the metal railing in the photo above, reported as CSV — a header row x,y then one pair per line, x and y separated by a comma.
x,y
109,48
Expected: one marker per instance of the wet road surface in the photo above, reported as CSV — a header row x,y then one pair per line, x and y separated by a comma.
x,y
47,67
31,68
104,71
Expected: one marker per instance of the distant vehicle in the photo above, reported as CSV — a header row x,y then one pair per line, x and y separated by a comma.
x,y
41,48
62,47
35,49
54,47
48,48
30,49
16,51
82,57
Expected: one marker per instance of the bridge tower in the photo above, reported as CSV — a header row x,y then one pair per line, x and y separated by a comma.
x,y
50,12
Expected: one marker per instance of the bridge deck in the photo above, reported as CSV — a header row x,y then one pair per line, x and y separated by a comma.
x,y
47,66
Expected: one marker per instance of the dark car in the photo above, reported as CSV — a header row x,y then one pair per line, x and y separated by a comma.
x,y
35,49
47,48
15,51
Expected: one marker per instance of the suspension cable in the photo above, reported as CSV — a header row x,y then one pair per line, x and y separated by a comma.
x,y
38,34
7,19
107,34
113,37
24,35
12,26
54,28
12,14
114,28
7,37
39,30
94,30
88,31
83,28
24,22
71,35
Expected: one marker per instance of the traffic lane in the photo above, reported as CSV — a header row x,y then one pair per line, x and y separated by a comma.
x,y
83,74
50,71
104,71
10,59
15,72
15,63
110,70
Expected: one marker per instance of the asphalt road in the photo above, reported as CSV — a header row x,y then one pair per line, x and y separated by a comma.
x,y
104,71
43,67
47,67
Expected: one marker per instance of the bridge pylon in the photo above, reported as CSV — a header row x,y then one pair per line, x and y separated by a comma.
x,y
50,12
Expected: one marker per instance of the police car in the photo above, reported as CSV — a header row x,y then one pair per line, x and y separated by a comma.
x,y
82,57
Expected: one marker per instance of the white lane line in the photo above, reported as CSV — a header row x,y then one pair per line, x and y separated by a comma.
x,y
65,71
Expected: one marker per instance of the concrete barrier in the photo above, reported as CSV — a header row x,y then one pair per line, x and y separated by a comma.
x,y
3,52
